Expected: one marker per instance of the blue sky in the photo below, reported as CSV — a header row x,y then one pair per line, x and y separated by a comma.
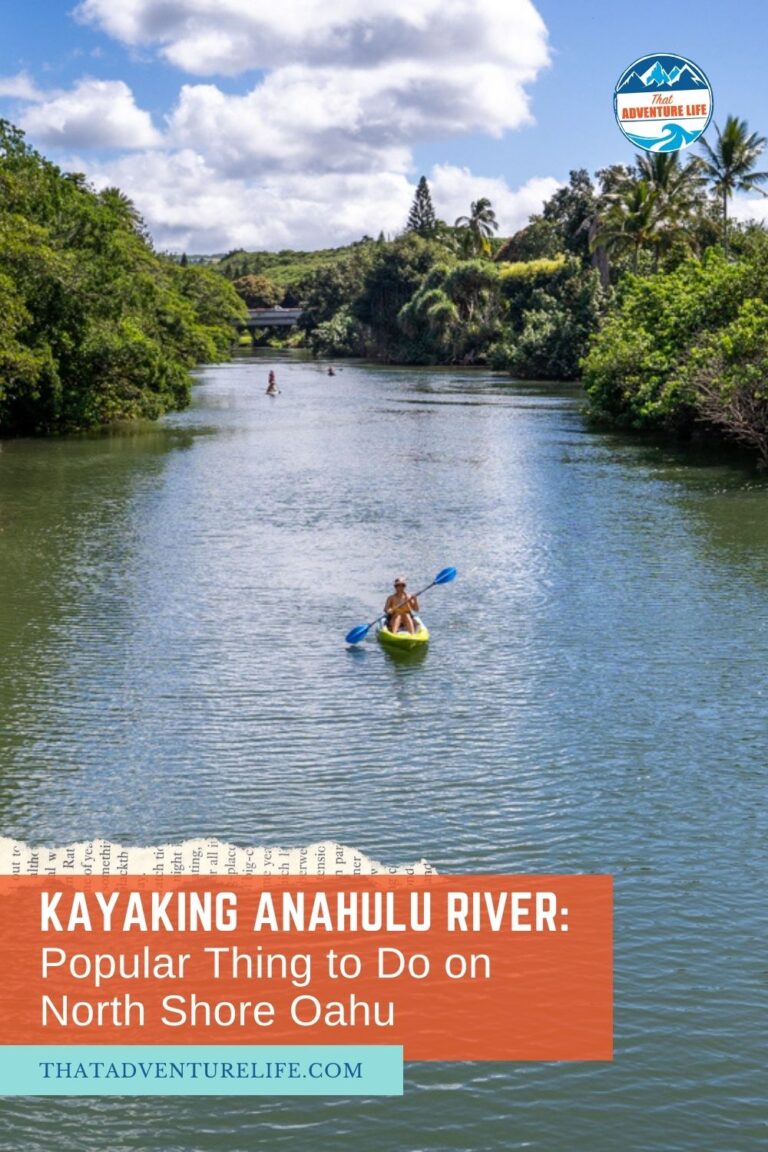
x,y
230,127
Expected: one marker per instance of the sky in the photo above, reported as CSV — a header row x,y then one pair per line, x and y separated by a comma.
x,y
307,123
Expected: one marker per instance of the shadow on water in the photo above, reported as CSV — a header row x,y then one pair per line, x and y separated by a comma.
x,y
405,659
70,521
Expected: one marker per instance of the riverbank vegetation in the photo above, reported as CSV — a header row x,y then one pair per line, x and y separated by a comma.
x,y
636,280
95,326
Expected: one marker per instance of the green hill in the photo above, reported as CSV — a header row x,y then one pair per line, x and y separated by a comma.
x,y
289,268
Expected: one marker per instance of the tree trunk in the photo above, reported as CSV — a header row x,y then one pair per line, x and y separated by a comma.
x,y
599,255
725,221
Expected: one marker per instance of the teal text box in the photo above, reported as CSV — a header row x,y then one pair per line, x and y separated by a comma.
x,y
201,1070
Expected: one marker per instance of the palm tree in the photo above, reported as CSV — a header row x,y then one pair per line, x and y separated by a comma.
x,y
630,220
480,225
679,197
677,185
123,209
652,205
730,165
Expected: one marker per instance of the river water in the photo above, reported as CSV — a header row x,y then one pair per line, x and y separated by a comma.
x,y
173,603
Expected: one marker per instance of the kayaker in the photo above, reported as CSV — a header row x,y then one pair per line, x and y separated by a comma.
x,y
400,608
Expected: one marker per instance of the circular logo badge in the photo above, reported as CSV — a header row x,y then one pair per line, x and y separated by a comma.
x,y
663,102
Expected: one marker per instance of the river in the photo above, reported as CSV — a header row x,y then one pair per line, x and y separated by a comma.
x,y
174,601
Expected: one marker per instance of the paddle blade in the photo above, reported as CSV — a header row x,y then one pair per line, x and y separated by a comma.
x,y
358,634
445,576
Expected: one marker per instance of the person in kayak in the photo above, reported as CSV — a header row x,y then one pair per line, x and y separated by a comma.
x,y
400,607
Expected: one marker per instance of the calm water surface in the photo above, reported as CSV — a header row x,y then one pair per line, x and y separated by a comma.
x,y
173,603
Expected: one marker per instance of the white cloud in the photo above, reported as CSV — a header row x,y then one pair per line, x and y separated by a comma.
x,y
207,37
345,119
746,209
319,147
20,87
453,189
349,85
292,122
95,114
190,207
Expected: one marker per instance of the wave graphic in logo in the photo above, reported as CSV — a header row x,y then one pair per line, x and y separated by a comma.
x,y
663,102
673,138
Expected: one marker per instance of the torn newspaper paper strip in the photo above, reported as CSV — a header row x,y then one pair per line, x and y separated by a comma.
x,y
194,858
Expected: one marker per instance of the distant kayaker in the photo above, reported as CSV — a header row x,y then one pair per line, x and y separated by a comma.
x,y
331,372
272,389
400,608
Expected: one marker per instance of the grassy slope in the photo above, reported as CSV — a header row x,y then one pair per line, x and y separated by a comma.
x,y
287,267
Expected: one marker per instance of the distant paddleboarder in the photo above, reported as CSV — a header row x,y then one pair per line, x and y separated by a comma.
x,y
272,388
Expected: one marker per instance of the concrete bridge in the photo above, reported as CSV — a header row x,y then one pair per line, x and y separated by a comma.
x,y
273,317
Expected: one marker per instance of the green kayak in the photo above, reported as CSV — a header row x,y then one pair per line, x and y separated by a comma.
x,y
404,640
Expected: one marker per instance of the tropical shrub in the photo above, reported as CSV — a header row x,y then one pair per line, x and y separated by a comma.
x,y
674,334
552,309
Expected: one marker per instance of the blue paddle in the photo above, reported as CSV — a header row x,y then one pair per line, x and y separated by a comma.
x,y
362,630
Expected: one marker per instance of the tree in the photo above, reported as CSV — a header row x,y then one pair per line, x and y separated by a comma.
x,y
478,227
730,165
397,271
94,325
331,287
460,308
571,210
677,189
421,218
727,374
338,336
630,219
567,224
540,239
653,205
677,338
218,308
258,291
677,185
124,211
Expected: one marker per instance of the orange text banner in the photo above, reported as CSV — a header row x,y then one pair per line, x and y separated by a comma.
x,y
468,967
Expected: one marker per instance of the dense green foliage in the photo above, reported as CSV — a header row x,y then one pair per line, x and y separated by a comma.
x,y
552,307
289,270
636,277
730,165
685,348
688,349
94,325
456,310
258,291
397,272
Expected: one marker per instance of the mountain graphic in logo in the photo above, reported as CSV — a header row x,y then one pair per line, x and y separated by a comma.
x,y
663,102
661,78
